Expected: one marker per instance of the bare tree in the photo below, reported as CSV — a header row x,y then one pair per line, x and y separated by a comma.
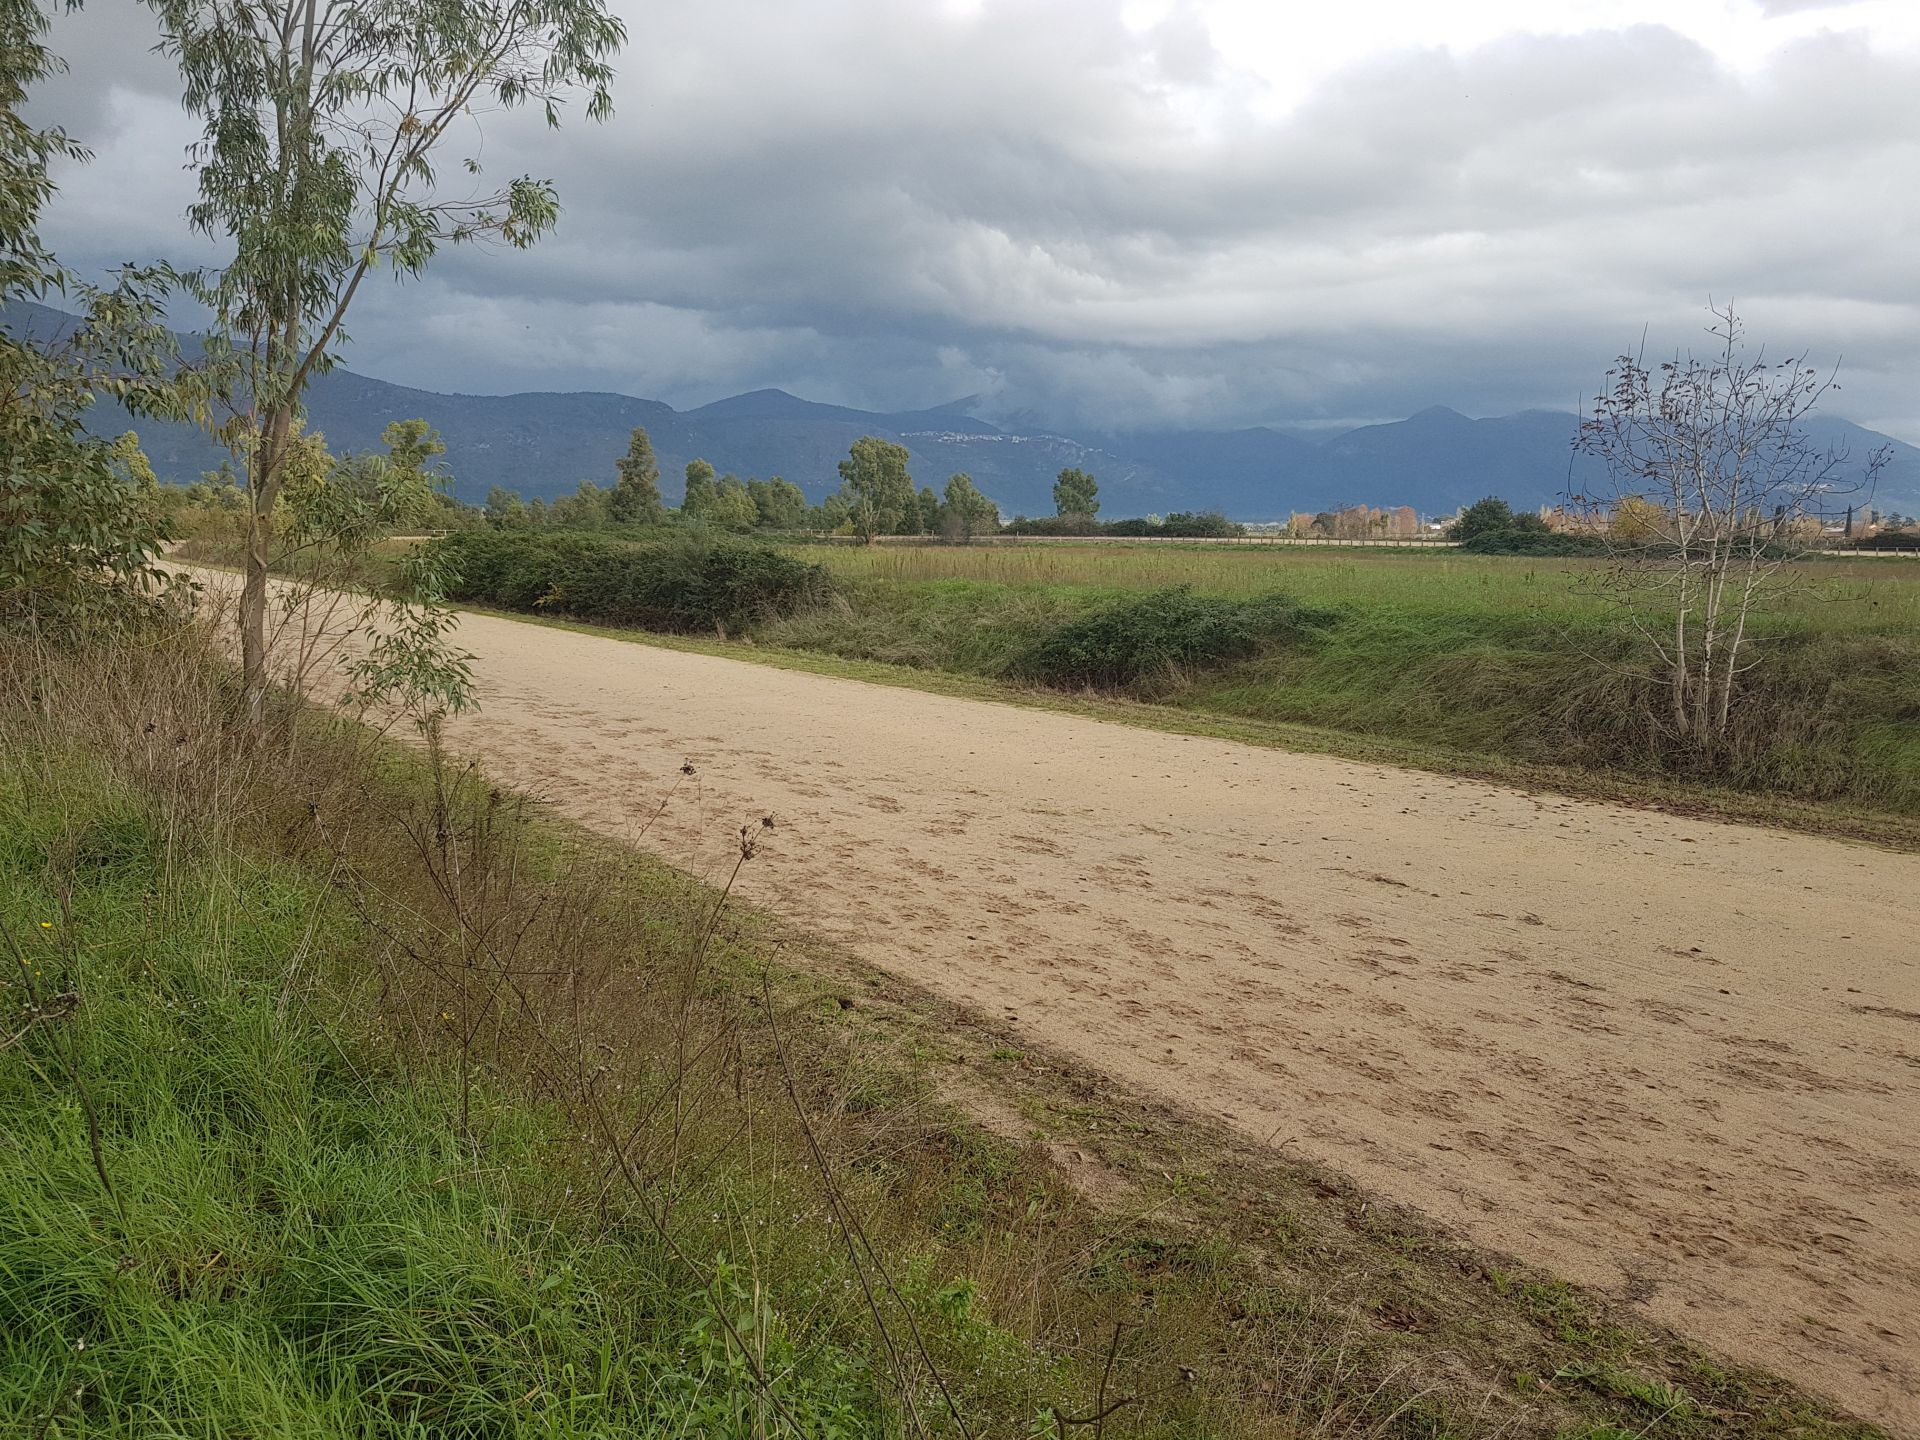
x,y
1712,488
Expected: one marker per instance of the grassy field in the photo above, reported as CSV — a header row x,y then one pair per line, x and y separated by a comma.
x,y
348,1095
1839,596
1489,659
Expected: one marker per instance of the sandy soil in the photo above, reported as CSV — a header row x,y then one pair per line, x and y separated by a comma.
x,y
1676,1060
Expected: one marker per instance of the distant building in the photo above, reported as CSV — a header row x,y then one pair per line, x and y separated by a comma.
x,y
1575,522
1358,522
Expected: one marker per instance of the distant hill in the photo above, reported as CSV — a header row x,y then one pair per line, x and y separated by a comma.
x,y
545,443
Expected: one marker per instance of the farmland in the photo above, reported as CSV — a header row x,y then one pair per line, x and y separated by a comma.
x,y
1839,595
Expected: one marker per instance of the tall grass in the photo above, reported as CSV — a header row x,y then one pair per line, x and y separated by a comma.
x,y
284,1235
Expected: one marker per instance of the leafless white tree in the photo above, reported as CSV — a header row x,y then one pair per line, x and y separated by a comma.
x,y
1712,488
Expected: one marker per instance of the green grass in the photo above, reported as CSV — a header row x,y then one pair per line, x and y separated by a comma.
x,y
1475,661
1840,594
355,1034
295,1241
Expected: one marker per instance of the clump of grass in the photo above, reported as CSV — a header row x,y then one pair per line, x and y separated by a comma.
x,y
955,626
1157,641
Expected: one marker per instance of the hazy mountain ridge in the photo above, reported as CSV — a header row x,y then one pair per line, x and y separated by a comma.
x,y
545,443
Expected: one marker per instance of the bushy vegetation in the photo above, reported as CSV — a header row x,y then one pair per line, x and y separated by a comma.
x,y
345,1099
280,1226
693,581
1180,525
1493,527
1901,539
1160,639
1532,540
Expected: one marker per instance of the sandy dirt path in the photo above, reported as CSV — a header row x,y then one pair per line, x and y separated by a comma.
x,y
1673,1059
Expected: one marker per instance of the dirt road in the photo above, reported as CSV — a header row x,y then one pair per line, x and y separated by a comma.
x,y
1673,1059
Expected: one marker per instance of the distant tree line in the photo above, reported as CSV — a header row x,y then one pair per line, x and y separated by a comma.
x,y
876,497
1180,525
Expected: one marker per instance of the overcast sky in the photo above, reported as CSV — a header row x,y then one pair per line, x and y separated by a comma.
x,y
1145,212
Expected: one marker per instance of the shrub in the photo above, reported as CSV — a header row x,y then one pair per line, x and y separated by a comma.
x,y
1055,525
1886,540
1531,541
1203,525
685,583
1159,638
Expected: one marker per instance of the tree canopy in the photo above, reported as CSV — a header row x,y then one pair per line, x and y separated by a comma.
x,y
779,504
1076,493
966,512
323,123
879,489
74,534
1492,513
636,493
698,497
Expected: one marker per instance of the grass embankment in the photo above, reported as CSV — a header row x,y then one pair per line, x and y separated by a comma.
x,y
345,1095
1489,660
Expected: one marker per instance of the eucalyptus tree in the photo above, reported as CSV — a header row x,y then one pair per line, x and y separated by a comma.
x,y
701,493
326,124
1076,493
966,511
879,490
778,504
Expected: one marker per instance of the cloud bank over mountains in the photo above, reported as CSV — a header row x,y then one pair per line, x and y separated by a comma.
x,y
1103,214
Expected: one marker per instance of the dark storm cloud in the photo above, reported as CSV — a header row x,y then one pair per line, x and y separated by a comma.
x,y
878,203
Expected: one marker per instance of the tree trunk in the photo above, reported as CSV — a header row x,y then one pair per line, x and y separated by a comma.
x,y
263,489
253,620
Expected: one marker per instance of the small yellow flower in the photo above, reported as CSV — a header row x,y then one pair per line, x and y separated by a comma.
x,y
46,924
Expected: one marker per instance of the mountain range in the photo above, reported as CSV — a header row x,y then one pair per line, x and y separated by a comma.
x,y
544,443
